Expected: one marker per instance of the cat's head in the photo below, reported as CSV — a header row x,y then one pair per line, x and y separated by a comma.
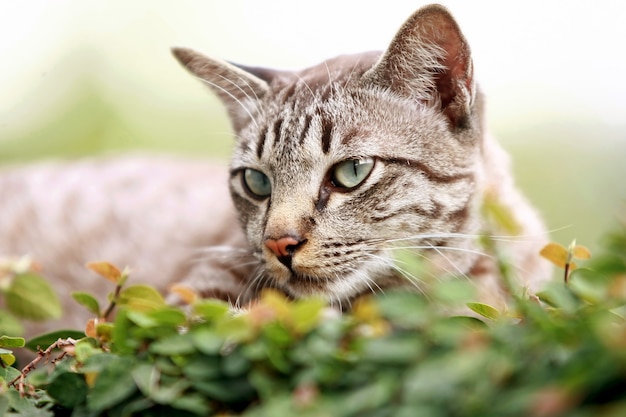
x,y
338,164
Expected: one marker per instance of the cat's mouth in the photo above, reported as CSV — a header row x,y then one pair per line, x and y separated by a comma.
x,y
306,285
338,287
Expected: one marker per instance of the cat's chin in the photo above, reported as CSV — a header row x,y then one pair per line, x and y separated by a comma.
x,y
336,289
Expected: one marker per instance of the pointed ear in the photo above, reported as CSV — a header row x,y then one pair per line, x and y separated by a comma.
x,y
238,88
429,60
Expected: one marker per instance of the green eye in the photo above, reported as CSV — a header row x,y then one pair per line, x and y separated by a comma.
x,y
256,183
350,173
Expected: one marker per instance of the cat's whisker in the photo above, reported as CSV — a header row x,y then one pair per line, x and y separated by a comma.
x,y
352,71
223,251
230,135
307,86
393,264
368,281
254,283
438,248
450,262
230,261
232,96
256,99
503,238
330,77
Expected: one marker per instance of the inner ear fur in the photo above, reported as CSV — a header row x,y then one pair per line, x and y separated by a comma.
x,y
429,60
239,89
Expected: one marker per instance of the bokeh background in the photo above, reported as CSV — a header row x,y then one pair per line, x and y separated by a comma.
x,y
85,77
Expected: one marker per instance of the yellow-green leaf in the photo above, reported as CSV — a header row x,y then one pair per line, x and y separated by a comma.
x,y
499,214
104,331
581,252
32,297
12,342
141,297
485,310
306,314
9,324
555,253
106,270
7,359
278,302
365,310
211,309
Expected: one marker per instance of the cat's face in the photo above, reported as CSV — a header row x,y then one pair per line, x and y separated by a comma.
x,y
337,165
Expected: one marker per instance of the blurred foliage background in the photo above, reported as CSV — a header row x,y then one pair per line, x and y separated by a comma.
x,y
80,78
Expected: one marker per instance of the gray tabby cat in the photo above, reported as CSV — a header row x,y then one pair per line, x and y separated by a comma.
x,y
335,169
338,165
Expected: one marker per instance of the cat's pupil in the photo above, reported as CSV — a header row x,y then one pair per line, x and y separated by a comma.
x,y
352,172
256,183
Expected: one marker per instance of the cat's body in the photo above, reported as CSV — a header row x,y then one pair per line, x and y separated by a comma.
x,y
335,168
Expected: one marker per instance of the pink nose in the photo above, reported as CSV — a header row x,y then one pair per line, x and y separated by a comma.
x,y
285,246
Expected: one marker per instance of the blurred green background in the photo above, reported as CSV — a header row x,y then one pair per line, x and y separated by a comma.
x,y
80,78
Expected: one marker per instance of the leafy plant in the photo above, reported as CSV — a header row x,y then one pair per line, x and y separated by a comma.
x,y
392,355
26,296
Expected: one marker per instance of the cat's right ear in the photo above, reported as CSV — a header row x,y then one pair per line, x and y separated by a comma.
x,y
429,60
239,89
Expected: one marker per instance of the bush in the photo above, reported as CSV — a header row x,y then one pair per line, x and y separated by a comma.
x,y
392,355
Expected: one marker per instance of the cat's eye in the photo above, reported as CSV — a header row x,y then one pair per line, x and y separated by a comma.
x,y
351,173
256,183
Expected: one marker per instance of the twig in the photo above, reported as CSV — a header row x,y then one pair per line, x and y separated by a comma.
x,y
19,381
113,303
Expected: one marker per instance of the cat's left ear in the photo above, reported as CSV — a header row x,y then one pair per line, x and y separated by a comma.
x,y
429,60
239,88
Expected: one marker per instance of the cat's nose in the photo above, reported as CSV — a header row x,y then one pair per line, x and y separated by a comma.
x,y
284,248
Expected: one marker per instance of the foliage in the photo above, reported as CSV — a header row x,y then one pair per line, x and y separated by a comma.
x,y
392,355
26,296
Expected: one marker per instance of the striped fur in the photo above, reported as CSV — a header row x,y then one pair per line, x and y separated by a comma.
x,y
416,111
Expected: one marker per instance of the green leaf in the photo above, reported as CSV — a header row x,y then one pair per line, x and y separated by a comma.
x,y
113,385
193,403
237,329
148,380
7,357
393,350
485,310
48,339
104,331
25,406
8,374
227,390
87,300
211,309
141,319
306,314
32,297
85,349
499,214
141,297
146,376
454,291
68,389
168,316
178,344
9,324
11,342
207,342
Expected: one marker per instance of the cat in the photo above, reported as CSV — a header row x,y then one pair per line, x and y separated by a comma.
x,y
335,169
